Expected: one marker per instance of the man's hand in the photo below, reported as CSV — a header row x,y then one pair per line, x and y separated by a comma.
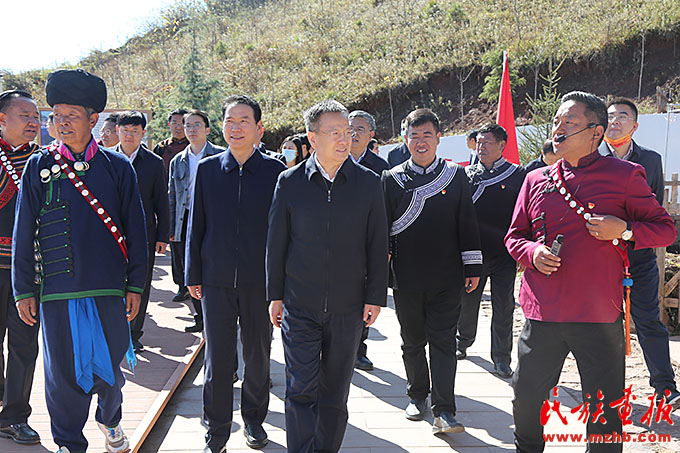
x,y
172,238
606,227
161,247
471,284
371,313
132,302
196,291
276,312
544,261
28,310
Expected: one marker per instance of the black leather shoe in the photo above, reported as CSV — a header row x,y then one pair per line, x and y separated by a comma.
x,y
416,410
20,433
209,449
447,423
363,363
461,354
503,370
256,437
181,295
195,327
137,346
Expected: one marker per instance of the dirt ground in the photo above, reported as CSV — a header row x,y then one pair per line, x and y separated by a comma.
x,y
636,374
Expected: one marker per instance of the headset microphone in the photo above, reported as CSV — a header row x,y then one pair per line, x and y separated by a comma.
x,y
562,137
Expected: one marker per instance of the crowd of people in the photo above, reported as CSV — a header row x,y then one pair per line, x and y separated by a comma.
x,y
308,239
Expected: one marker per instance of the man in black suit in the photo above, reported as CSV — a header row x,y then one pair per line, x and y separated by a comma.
x,y
153,185
326,276
644,298
363,130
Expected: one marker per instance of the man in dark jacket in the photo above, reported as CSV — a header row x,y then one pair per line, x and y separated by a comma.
x,y
435,253
399,154
226,241
19,125
363,129
74,195
167,150
326,276
546,158
644,298
153,185
494,184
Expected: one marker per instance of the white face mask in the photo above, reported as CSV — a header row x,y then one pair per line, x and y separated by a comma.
x,y
289,154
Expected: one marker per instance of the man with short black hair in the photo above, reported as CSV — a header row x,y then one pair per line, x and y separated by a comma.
x,y
599,206
435,255
183,168
75,195
471,143
167,150
494,184
19,125
326,276
226,240
644,297
546,158
153,188
363,131
108,133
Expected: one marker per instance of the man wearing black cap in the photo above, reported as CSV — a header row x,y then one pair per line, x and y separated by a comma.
x,y
80,250
19,124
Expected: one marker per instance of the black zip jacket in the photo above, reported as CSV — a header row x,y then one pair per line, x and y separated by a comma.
x,y
327,242
227,229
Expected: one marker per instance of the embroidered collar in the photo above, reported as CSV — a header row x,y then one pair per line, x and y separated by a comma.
x,y
9,148
423,171
499,163
585,161
90,151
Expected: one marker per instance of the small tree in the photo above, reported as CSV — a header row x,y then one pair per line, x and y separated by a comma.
x,y
492,82
542,111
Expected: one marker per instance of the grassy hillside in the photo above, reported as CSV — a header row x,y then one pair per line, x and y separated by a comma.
x,y
382,55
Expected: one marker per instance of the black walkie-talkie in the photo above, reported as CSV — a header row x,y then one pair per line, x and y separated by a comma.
x,y
556,247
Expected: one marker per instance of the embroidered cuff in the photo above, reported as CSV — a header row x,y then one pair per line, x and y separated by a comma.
x,y
471,257
134,289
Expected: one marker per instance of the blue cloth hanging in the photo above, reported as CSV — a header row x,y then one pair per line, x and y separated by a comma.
x,y
90,351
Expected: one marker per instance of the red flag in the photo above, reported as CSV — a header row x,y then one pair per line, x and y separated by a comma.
x,y
506,116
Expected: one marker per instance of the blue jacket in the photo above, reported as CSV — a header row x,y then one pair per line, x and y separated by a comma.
x,y
178,186
78,254
227,229
327,243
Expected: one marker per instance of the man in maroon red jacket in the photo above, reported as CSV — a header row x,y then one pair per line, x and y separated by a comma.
x,y
600,205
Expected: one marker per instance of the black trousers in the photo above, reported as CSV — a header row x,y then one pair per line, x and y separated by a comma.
x,y
178,249
223,308
501,270
177,262
22,346
599,352
651,333
137,324
361,351
429,318
320,355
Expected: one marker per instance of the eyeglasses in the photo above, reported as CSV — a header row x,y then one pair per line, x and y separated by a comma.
x,y
337,134
194,126
106,132
358,130
621,118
